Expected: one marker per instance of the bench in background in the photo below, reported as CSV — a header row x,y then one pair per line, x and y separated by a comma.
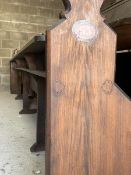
x,y
28,76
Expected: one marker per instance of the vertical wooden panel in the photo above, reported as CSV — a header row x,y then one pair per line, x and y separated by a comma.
x,y
87,115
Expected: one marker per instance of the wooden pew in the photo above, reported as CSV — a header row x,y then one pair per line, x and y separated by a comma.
x,y
118,17
28,65
88,116
35,46
37,82
88,129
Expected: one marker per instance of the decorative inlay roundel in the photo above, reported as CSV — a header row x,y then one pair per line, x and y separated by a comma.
x,y
58,88
85,31
107,86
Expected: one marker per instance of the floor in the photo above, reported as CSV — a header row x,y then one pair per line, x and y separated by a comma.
x,y
17,134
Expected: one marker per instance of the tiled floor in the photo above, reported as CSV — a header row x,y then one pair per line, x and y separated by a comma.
x,y
17,134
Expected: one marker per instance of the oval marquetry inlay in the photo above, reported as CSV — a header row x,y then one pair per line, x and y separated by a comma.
x,y
85,31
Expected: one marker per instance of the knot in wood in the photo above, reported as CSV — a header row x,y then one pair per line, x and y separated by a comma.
x,y
107,86
59,88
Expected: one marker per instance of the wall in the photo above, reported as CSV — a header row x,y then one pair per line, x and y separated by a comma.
x,y
19,21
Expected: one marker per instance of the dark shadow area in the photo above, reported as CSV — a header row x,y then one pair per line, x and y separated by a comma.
x,y
67,5
123,72
112,10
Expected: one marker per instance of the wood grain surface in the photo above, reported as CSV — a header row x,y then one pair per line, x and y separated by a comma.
x,y
89,119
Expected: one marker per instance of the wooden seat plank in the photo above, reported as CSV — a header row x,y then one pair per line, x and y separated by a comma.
x,y
36,45
33,72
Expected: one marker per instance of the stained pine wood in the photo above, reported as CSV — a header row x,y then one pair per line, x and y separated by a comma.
x,y
88,117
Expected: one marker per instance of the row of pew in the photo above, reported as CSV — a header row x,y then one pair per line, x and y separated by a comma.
x,y
28,81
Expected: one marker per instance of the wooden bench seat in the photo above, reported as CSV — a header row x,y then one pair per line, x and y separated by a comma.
x,y
35,45
33,72
28,80
31,56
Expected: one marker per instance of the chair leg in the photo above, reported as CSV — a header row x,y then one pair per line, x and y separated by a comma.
x,y
20,89
26,100
41,116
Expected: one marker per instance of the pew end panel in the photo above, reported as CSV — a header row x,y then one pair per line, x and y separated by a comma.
x,y
86,130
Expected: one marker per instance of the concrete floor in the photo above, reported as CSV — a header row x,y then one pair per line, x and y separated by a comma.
x,y
17,134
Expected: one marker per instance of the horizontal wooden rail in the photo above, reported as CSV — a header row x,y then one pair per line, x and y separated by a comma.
x,y
36,45
33,72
